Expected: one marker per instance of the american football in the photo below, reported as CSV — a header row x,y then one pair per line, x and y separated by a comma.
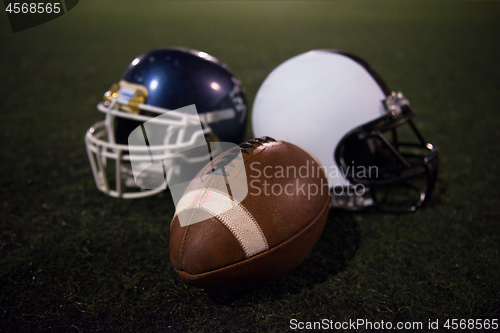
x,y
238,245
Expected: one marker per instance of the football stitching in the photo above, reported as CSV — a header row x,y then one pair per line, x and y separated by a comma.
x,y
260,143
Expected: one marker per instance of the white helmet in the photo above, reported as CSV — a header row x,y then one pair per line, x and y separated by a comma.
x,y
334,105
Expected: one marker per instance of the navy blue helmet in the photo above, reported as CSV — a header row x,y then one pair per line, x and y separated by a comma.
x,y
158,83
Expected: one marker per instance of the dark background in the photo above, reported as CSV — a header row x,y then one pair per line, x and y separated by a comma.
x,y
73,259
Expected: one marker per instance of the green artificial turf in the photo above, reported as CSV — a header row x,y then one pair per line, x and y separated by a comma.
x,y
75,260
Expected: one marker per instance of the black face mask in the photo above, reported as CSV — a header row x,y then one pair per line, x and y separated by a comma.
x,y
387,162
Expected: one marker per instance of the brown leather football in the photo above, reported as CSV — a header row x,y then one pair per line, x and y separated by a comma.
x,y
228,244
